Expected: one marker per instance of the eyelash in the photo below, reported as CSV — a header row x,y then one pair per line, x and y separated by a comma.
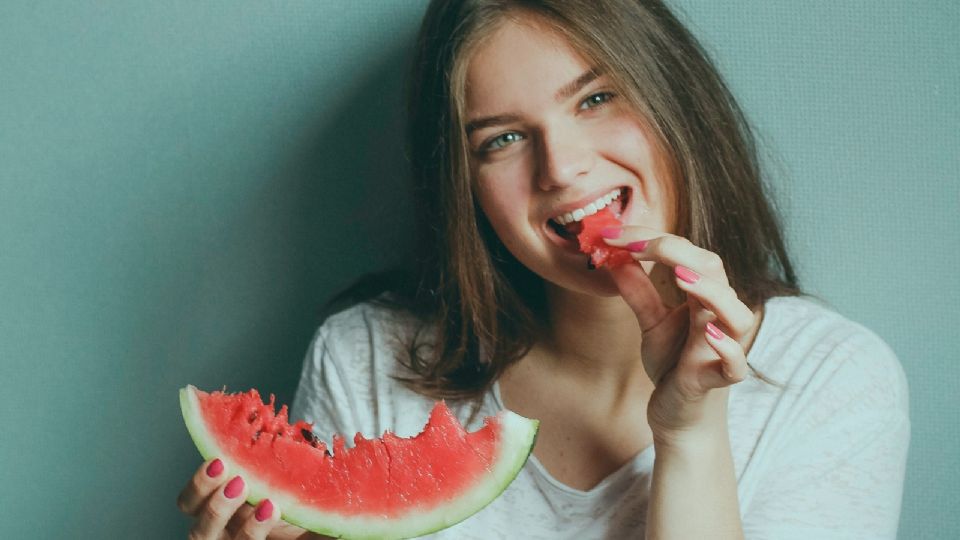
x,y
607,95
583,106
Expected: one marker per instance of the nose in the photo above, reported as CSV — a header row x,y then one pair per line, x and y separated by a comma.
x,y
563,157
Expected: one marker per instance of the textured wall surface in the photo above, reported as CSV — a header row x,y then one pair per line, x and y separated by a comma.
x,y
183,183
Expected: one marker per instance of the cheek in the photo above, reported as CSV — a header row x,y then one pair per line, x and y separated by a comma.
x,y
626,140
630,145
501,192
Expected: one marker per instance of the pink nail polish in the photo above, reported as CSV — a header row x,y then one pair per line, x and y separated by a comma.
x,y
264,510
611,233
639,245
234,487
686,274
714,332
214,468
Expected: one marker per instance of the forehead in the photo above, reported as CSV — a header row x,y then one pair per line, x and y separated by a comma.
x,y
522,61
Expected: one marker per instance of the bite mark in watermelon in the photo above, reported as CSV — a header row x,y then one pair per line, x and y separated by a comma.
x,y
591,242
391,487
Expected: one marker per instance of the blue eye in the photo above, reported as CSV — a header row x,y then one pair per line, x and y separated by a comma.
x,y
503,140
596,100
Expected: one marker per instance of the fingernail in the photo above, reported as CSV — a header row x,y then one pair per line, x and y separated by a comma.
x,y
714,332
611,233
264,510
639,245
214,468
234,487
686,274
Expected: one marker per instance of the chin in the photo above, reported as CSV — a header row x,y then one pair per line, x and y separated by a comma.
x,y
596,283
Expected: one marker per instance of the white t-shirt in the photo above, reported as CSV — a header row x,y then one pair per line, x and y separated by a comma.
x,y
822,457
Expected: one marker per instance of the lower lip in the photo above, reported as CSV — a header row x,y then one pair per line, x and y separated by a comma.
x,y
572,244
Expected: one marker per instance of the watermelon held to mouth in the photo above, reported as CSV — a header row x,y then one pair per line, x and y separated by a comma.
x,y
391,487
591,241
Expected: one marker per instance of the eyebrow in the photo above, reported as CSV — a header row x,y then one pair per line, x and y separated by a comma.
x,y
576,85
564,93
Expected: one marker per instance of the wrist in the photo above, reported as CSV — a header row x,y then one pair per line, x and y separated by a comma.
x,y
703,425
695,445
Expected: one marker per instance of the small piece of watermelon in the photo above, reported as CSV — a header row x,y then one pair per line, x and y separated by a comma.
x,y
386,488
591,242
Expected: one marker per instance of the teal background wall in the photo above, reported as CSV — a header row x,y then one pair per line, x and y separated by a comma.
x,y
182,184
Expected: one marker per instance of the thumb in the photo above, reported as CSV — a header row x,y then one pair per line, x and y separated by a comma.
x,y
638,291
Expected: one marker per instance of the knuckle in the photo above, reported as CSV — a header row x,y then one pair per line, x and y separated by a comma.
x,y
735,372
728,295
743,322
734,295
187,496
213,513
670,243
712,262
245,534
250,530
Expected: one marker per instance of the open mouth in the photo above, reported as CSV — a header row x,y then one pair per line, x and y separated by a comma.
x,y
569,225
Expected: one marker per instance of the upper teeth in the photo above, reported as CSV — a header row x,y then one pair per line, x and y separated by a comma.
x,y
589,209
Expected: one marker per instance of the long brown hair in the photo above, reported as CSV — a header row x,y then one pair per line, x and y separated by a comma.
x,y
480,308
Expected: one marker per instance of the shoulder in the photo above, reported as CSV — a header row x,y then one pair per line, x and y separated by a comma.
x,y
366,320
822,451
366,340
353,369
815,350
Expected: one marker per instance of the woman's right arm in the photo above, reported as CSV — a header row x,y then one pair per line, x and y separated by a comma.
x,y
216,499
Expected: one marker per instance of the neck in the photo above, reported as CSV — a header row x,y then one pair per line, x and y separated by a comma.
x,y
594,340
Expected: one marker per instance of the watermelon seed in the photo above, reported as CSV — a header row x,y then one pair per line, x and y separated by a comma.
x,y
590,264
309,437
314,441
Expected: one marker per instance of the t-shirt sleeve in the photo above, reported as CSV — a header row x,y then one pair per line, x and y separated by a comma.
x,y
838,469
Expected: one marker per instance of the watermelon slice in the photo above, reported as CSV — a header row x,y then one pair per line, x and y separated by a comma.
x,y
392,487
591,242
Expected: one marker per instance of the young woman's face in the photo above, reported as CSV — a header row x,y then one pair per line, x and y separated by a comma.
x,y
547,137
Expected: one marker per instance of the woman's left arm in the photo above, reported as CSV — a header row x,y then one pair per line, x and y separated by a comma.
x,y
693,353
694,488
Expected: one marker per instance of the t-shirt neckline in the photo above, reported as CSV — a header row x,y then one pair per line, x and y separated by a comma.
x,y
641,462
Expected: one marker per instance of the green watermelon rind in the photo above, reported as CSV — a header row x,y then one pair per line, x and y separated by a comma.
x,y
518,436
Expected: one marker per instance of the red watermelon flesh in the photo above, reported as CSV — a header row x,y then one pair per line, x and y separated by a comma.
x,y
591,241
392,487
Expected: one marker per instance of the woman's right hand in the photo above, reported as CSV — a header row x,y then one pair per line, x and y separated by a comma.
x,y
216,499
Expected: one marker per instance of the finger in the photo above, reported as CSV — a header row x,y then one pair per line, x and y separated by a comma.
x,y
717,361
671,250
259,521
733,361
718,298
213,517
667,341
238,519
210,476
640,294
633,238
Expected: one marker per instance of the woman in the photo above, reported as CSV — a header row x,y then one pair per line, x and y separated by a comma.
x,y
524,117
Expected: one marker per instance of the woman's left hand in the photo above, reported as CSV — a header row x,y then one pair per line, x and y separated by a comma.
x,y
691,351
